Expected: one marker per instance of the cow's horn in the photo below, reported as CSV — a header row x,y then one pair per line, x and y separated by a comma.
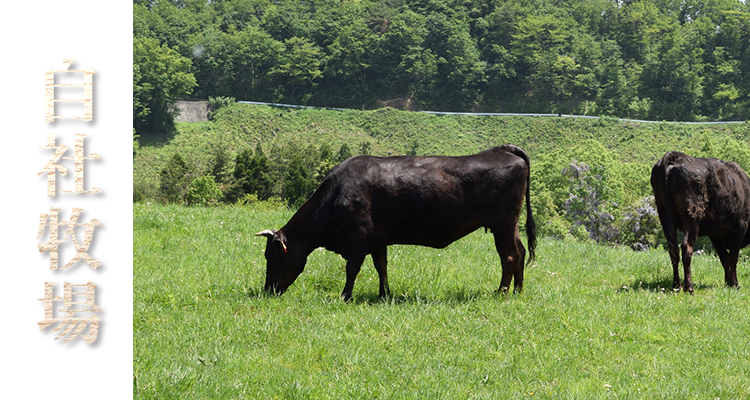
x,y
267,233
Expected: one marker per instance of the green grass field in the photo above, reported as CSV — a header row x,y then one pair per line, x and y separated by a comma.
x,y
592,322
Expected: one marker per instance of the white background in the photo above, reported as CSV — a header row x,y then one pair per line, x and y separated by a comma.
x,y
38,35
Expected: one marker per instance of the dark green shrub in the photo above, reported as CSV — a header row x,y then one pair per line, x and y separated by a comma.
x,y
174,180
203,191
589,203
641,229
251,175
215,103
344,153
298,185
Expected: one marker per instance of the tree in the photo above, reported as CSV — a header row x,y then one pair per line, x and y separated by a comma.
x,y
160,74
663,59
299,66
589,204
174,180
344,153
236,63
461,70
348,58
251,175
673,75
203,191
325,165
298,185
539,45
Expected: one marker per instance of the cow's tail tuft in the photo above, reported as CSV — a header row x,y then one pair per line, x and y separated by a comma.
x,y
530,224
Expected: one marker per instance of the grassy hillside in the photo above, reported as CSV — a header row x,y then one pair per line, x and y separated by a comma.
x,y
616,156
394,132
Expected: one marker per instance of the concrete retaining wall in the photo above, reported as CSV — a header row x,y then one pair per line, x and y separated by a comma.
x,y
192,111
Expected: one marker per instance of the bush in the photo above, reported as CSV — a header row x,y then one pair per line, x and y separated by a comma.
x,y
253,202
215,103
298,185
548,220
136,145
641,229
414,148
588,203
251,175
174,180
344,153
326,164
579,232
203,191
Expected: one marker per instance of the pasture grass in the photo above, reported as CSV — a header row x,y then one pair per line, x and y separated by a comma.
x,y
592,321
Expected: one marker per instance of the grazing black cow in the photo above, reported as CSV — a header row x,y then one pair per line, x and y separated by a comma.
x,y
702,197
367,203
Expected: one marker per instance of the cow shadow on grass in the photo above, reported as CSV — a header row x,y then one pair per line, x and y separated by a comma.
x,y
658,285
458,296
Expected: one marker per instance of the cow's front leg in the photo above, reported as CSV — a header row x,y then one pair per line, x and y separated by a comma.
x,y
725,258
380,259
353,265
730,270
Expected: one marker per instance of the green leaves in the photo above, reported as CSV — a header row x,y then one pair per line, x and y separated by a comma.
x,y
665,60
159,75
203,191
299,65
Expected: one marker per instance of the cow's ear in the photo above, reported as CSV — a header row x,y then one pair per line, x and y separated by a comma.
x,y
267,233
281,239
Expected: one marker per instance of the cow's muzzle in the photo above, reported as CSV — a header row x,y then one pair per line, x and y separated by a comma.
x,y
275,289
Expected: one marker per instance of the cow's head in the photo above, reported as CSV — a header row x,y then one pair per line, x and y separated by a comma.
x,y
284,261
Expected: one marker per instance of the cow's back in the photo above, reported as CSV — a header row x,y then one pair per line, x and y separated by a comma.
x,y
709,190
430,201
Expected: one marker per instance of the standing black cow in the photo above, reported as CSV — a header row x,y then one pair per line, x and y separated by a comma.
x,y
702,197
367,203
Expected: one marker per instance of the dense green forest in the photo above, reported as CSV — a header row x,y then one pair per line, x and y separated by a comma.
x,y
686,60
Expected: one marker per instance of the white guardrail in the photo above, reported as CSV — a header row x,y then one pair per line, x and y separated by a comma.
x,y
640,121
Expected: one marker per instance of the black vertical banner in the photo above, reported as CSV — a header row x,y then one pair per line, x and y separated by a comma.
x,y
73,205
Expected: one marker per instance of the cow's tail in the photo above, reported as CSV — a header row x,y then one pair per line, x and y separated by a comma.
x,y
530,224
663,196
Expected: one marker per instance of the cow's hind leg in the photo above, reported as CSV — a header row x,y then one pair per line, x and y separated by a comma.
x,y
691,235
666,218
730,271
353,265
674,256
670,232
511,259
380,259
